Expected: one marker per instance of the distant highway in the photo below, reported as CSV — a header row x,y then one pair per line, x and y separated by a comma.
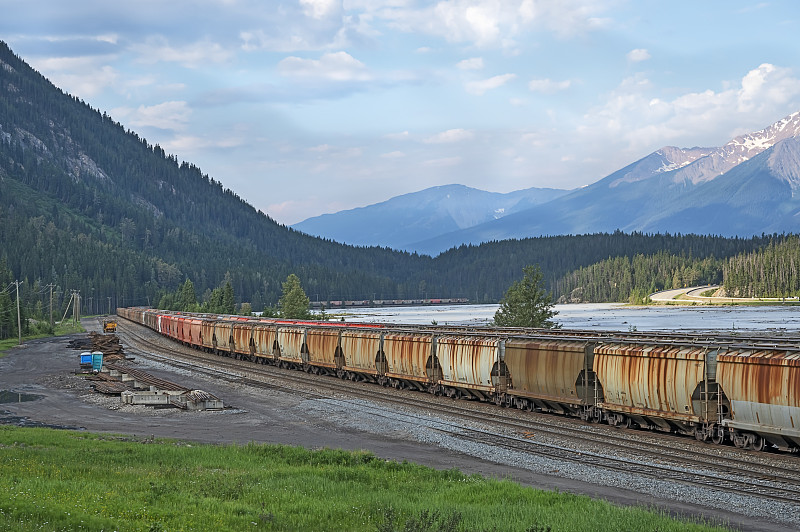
x,y
692,294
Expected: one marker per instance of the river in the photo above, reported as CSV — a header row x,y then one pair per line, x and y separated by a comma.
x,y
601,316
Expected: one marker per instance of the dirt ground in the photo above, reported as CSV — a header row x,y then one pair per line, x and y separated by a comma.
x,y
45,368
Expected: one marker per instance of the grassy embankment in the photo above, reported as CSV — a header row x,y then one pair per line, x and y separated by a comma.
x,y
63,480
59,330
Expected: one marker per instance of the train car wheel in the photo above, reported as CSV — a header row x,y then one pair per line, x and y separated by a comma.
x,y
759,443
718,436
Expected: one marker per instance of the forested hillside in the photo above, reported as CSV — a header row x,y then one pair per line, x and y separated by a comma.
x,y
633,278
483,272
773,271
90,206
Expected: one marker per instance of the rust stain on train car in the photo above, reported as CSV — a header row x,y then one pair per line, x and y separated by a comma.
x,y
222,335
290,340
550,370
321,345
407,356
207,329
195,327
263,340
359,351
242,333
761,376
650,379
467,361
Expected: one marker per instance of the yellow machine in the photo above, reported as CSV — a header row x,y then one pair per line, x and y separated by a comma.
x,y
109,326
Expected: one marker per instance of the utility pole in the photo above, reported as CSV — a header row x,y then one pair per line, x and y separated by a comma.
x,y
19,321
51,285
109,306
67,309
78,306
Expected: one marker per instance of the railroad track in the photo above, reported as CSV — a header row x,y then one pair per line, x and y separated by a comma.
x,y
690,466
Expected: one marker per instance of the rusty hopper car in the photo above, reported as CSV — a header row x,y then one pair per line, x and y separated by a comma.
x,y
195,327
552,375
241,339
291,342
763,387
265,343
359,355
410,360
223,337
207,335
670,387
320,350
469,366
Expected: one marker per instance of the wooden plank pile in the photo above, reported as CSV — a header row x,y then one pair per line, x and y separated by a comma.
x,y
108,344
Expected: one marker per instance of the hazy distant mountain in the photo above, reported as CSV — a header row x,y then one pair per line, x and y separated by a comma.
x,y
746,187
403,220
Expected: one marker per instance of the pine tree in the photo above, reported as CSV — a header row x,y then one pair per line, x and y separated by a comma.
x,y
294,302
526,303
228,301
187,300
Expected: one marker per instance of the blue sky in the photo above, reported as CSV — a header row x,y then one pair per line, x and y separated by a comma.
x,y
310,106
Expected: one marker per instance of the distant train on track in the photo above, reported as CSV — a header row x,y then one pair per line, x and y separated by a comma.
x,y
716,389
338,304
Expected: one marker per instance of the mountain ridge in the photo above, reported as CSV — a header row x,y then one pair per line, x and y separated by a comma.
x,y
402,220
665,191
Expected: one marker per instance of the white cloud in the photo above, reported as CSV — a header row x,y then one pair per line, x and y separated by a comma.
x,y
82,76
641,121
473,63
450,136
444,162
393,155
486,23
168,115
326,151
187,143
193,55
403,135
320,9
638,55
480,87
548,86
321,148
336,66
255,40
765,86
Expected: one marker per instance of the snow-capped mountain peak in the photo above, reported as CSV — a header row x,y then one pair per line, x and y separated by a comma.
x,y
740,149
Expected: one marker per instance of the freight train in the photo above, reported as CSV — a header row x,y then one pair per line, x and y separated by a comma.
x,y
718,390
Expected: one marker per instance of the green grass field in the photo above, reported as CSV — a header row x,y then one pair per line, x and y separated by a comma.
x,y
64,480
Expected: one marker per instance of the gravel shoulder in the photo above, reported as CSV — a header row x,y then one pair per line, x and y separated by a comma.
x,y
45,368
